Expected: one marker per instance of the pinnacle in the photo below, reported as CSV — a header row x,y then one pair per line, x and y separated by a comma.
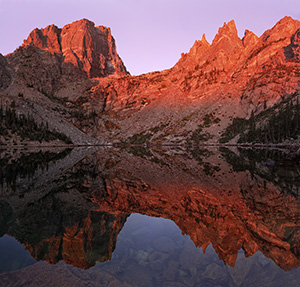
x,y
203,40
231,25
228,29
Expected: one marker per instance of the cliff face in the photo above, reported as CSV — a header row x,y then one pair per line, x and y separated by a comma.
x,y
52,59
89,48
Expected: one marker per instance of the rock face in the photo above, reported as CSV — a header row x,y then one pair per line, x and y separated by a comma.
x,y
89,48
53,59
292,51
54,67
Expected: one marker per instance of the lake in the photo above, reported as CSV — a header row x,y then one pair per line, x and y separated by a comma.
x,y
165,216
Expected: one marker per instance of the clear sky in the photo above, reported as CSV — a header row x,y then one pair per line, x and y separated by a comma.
x,y
150,34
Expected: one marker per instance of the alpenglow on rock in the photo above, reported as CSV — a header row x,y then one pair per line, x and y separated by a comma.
x,y
79,77
88,47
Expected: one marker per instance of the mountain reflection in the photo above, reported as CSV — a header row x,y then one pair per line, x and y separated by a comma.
x,y
74,207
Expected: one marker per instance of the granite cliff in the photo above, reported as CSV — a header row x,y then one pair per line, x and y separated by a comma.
x,y
89,48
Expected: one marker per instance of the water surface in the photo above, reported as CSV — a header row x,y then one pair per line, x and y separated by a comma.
x,y
137,217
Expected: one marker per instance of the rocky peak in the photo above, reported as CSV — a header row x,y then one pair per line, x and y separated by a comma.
x,y
283,29
250,39
199,47
90,48
196,53
45,39
228,30
203,40
227,46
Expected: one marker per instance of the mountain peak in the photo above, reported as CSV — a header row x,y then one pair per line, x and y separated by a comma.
x,y
45,39
287,19
231,26
82,23
285,24
249,39
227,30
284,28
204,41
87,47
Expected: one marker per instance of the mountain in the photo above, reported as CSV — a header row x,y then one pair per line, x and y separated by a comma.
x,y
51,57
89,48
209,86
229,91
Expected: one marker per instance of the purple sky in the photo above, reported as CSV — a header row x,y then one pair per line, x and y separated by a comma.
x,y
150,34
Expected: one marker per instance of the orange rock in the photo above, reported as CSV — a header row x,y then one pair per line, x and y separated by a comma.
x,y
87,47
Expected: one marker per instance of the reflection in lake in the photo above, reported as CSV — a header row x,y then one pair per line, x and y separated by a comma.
x,y
238,211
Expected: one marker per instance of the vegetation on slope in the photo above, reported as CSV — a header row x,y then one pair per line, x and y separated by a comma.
x,y
273,125
26,127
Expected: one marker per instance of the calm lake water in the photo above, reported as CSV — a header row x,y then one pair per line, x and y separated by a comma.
x,y
141,217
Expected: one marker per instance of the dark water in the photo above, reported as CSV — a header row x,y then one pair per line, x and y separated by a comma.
x,y
136,217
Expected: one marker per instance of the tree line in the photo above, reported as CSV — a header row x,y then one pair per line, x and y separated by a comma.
x,y
283,124
26,127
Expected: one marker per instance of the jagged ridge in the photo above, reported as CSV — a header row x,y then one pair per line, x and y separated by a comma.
x,y
196,100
